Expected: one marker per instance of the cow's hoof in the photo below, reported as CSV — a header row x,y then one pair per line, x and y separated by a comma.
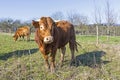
x,y
61,65
53,70
72,63
47,68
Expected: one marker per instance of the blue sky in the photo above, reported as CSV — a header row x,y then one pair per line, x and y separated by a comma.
x,y
29,9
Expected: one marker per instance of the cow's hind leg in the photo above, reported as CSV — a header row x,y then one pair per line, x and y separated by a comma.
x,y
63,49
72,49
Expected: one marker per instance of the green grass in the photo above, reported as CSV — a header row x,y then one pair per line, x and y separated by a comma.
x,y
21,60
102,39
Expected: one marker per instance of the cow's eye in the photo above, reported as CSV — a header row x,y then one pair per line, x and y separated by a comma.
x,y
41,27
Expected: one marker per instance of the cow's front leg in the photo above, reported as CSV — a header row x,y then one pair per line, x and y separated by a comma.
x,y
52,58
45,56
46,61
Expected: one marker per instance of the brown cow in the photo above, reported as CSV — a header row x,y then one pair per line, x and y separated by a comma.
x,y
22,32
50,36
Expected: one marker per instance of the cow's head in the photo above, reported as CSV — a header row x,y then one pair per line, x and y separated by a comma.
x,y
15,37
45,27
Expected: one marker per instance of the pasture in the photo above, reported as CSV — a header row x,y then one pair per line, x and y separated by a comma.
x,y
21,60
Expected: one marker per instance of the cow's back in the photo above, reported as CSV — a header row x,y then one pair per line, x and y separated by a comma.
x,y
25,30
66,32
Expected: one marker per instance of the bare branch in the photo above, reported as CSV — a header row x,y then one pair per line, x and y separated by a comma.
x,y
57,15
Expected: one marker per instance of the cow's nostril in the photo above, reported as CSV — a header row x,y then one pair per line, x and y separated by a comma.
x,y
47,39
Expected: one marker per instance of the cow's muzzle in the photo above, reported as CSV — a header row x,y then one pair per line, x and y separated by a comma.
x,y
48,39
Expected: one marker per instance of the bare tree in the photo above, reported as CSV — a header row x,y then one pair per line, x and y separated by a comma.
x,y
110,17
76,18
7,24
57,15
97,19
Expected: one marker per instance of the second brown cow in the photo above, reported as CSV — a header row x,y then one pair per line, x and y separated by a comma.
x,y
22,32
50,36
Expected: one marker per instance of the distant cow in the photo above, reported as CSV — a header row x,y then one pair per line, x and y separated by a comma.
x,y
50,36
22,32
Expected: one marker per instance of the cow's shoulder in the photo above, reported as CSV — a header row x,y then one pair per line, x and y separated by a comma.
x,y
64,25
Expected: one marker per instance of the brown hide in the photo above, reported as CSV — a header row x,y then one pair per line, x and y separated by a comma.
x,y
62,33
22,32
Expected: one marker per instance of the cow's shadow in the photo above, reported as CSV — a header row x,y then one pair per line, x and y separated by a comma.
x,y
18,53
25,40
31,40
90,59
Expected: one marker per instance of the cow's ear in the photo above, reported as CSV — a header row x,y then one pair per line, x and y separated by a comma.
x,y
35,23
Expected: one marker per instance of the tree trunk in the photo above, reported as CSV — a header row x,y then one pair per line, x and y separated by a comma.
x,y
97,35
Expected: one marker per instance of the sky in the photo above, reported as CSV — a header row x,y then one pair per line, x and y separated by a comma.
x,y
29,9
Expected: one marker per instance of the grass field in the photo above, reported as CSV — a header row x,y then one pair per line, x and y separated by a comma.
x,y
21,60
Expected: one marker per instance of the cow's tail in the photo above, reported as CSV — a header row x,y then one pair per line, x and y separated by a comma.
x,y
76,44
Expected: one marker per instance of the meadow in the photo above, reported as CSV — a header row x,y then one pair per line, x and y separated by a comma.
x,y
21,60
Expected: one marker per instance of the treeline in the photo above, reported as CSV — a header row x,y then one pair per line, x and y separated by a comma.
x,y
102,30
10,26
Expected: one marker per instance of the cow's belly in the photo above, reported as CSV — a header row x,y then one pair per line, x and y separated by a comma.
x,y
63,42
